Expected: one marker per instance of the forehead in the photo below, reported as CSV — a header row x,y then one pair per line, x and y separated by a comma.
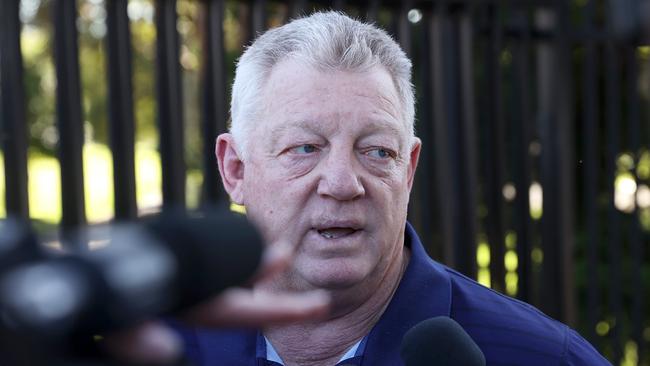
x,y
296,94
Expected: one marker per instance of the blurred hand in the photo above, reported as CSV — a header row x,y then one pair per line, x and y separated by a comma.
x,y
154,343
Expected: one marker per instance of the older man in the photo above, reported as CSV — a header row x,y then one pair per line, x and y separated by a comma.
x,y
322,154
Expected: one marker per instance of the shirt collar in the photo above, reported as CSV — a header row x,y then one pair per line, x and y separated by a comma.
x,y
354,351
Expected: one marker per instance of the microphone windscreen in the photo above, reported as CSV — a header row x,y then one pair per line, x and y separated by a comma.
x,y
166,265
440,341
18,243
213,251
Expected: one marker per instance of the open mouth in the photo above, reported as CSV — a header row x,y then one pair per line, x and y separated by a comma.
x,y
336,232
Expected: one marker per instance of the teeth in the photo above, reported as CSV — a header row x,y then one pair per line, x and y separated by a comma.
x,y
327,234
334,233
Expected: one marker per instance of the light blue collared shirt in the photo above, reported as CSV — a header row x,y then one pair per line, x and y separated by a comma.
x,y
272,354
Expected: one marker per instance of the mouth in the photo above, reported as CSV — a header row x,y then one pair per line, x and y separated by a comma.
x,y
336,232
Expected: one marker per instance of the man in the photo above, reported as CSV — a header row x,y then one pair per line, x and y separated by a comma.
x,y
322,154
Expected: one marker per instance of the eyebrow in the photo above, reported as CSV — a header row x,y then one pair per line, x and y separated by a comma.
x,y
280,130
382,124
309,126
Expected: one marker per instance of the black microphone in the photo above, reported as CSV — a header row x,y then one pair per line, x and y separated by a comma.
x,y
18,244
150,269
440,341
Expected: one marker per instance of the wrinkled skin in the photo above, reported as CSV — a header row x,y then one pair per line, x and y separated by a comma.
x,y
329,170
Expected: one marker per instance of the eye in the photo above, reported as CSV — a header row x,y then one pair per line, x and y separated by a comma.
x,y
380,153
304,149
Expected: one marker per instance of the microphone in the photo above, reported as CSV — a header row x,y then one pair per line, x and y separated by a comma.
x,y
162,266
440,341
18,244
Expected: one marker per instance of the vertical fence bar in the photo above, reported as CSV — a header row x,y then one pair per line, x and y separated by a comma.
x,y
565,162
69,116
556,163
170,105
372,10
13,124
466,145
521,157
258,18
297,8
493,159
338,5
450,62
614,242
121,119
636,248
547,64
214,108
590,176
404,27
440,133
422,204
453,100
644,136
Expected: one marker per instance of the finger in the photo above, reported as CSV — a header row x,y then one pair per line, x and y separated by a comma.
x,y
276,258
150,343
245,308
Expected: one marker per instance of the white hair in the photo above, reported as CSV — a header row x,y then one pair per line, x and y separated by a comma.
x,y
326,41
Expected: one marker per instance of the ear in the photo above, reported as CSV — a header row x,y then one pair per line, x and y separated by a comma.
x,y
414,156
231,167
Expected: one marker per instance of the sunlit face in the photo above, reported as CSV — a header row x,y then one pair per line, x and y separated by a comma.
x,y
329,170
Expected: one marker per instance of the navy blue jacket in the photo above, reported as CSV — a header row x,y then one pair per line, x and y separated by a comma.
x,y
508,331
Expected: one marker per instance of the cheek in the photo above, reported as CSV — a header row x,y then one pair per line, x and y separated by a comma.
x,y
392,202
274,185
259,193
393,187
271,200
255,187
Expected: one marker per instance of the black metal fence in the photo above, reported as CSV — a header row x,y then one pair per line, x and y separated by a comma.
x,y
533,115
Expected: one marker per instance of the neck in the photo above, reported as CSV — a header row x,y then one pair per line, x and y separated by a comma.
x,y
354,312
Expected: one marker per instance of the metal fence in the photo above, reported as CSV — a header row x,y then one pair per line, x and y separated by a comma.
x,y
533,115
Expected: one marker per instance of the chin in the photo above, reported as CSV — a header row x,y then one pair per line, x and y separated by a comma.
x,y
334,277
334,283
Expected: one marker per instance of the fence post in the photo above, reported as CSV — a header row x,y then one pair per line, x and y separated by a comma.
x,y
69,116
121,124
170,105
556,135
214,98
13,125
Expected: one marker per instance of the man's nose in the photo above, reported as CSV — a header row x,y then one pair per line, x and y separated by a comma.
x,y
339,177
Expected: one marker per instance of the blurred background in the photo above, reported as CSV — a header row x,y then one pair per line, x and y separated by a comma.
x,y
534,116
